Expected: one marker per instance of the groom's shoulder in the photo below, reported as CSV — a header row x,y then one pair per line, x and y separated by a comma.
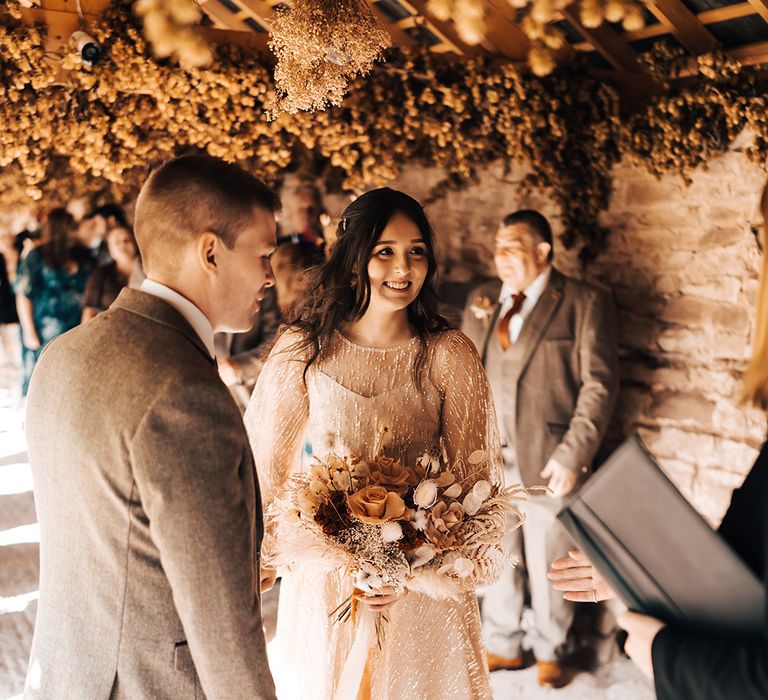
x,y
121,352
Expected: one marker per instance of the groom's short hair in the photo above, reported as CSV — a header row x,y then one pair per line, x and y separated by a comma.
x,y
189,195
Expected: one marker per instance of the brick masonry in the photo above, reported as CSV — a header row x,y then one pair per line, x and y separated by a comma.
x,y
682,262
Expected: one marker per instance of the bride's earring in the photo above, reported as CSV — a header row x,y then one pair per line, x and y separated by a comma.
x,y
354,281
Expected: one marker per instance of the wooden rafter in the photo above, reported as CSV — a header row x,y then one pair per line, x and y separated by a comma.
x,y
503,32
612,47
395,31
444,30
719,14
256,41
223,17
684,25
752,54
761,8
723,14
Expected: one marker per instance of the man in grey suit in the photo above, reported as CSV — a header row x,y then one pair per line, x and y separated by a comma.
x,y
148,503
548,343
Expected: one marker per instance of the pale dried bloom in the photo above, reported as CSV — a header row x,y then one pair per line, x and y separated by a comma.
x,y
442,522
320,46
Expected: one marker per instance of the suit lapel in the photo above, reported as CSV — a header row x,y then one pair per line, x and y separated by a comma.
x,y
538,321
494,290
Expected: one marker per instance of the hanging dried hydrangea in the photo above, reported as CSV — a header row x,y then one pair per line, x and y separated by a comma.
x,y
169,26
320,46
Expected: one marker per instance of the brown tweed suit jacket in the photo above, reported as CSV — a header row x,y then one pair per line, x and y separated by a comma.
x,y
558,383
149,515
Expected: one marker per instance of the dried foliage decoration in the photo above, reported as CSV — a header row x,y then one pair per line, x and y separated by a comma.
x,y
98,133
169,26
320,46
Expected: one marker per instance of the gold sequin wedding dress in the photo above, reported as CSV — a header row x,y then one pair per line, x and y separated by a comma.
x,y
432,648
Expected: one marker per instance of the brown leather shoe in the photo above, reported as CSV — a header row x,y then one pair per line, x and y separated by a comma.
x,y
504,663
552,674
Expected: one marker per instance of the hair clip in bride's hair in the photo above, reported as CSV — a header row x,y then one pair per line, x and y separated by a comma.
x,y
344,224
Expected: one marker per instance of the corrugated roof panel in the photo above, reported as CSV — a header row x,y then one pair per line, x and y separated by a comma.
x,y
737,32
567,30
697,6
234,8
254,25
422,35
392,9
645,45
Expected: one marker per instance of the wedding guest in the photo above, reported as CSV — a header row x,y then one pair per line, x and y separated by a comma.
x,y
49,287
240,356
685,665
9,319
548,344
309,210
107,280
95,226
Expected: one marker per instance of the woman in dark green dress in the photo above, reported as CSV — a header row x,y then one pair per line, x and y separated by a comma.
x,y
49,287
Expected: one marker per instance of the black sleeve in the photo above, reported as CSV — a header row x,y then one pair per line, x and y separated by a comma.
x,y
695,667
699,667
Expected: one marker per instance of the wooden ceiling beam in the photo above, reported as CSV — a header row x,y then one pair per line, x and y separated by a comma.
x,y
720,14
761,8
610,45
751,54
255,41
502,31
395,31
686,26
445,30
223,18
723,14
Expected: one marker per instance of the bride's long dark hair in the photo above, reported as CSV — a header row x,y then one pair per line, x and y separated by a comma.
x,y
340,291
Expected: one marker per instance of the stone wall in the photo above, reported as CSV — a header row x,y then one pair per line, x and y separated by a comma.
x,y
682,262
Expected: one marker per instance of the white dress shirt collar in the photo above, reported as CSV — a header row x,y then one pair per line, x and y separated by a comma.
x,y
196,318
532,292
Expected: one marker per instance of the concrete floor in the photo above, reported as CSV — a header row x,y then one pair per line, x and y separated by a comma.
x,y
617,679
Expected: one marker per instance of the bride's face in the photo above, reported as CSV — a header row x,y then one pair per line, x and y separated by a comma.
x,y
398,265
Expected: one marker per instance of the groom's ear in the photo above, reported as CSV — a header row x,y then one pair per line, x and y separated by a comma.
x,y
207,247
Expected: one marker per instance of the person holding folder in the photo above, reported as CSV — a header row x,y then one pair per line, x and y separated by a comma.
x,y
685,665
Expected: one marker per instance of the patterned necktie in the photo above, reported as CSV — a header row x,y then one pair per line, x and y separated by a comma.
x,y
502,329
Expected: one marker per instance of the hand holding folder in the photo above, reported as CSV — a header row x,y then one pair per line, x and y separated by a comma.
x,y
657,552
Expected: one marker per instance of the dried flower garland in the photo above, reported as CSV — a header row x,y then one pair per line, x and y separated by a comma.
x,y
320,46
98,134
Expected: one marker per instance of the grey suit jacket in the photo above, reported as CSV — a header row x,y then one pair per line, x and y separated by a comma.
x,y
562,392
149,516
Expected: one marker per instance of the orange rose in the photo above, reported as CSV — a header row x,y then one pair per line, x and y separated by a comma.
x,y
374,505
390,473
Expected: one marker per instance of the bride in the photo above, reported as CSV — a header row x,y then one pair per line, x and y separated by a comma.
x,y
369,367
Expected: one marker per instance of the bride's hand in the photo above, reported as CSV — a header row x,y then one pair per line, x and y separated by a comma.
x,y
385,598
268,578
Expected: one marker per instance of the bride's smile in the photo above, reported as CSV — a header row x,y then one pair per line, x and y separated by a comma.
x,y
398,265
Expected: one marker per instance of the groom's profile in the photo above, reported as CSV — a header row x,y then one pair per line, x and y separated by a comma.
x,y
149,509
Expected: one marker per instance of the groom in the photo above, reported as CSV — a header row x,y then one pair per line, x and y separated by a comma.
x,y
149,509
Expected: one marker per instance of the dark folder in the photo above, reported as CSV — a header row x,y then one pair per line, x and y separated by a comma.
x,y
657,552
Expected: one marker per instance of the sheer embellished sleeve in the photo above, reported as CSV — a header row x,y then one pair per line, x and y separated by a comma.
x,y
470,437
276,419
468,421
